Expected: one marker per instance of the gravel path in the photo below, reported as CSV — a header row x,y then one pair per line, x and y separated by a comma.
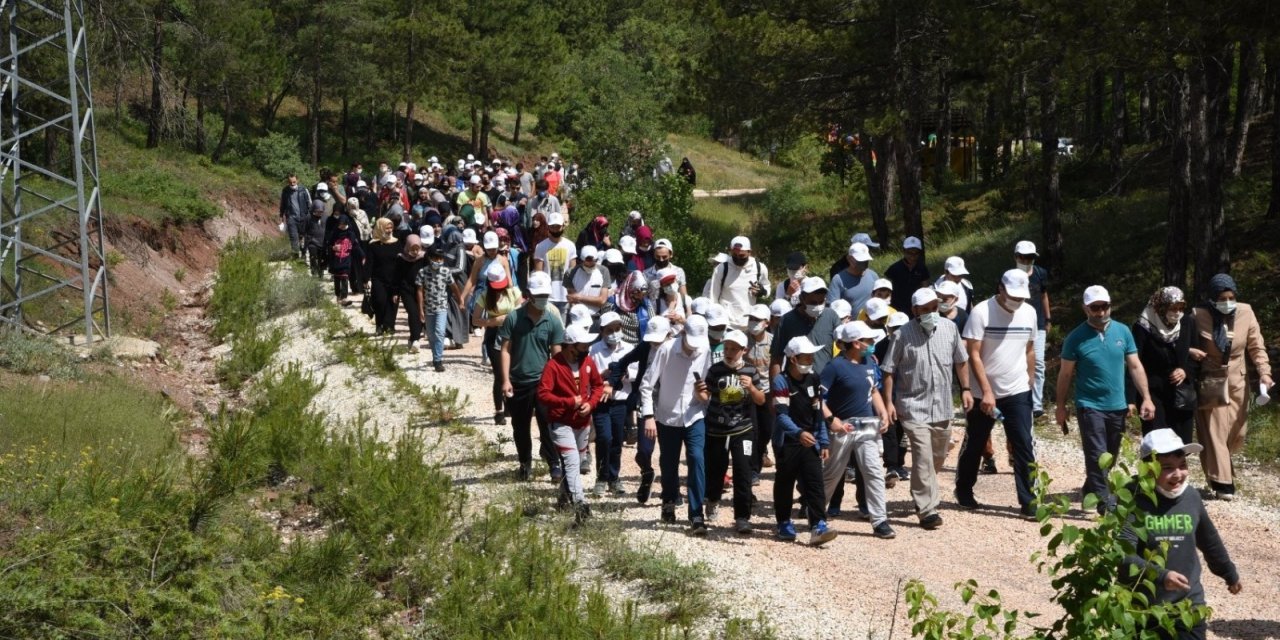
x,y
850,588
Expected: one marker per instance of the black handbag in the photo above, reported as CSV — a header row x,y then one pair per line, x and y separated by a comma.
x,y
1184,396
366,305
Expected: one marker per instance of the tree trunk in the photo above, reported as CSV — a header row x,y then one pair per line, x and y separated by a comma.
x,y
1212,110
1119,123
346,124
395,123
908,152
407,148
157,53
370,125
878,157
1273,76
226,126
1145,115
1024,98
1050,194
515,136
1175,247
200,141
486,124
313,120
942,148
475,132
1093,116
1246,103
990,139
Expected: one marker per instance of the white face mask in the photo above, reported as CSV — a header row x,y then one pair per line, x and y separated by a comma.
x,y
804,369
1008,304
794,273
671,289
1227,307
734,364
1173,318
814,310
929,320
716,334
756,326
1025,266
1172,495
613,339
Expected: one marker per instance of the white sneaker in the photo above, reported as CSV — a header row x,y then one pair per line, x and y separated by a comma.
x,y
477,332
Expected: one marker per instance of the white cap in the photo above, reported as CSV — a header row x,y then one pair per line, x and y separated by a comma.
x,y
627,244
737,337
779,307
864,239
490,240
912,242
860,252
1096,294
842,308
554,155
657,329
877,308
555,219
496,275
699,305
863,331
322,186
634,215
469,236
1162,441
719,258
361,183
897,319
947,288
613,256
609,317
1016,283
882,283
388,179
470,157
428,234
812,284
579,314
1025,248
589,252
740,242
760,311
579,334
716,315
433,160
475,179
923,296
695,332
403,164
663,243
801,345
955,266
539,284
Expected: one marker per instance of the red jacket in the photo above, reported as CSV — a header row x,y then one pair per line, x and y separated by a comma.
x,y
557,389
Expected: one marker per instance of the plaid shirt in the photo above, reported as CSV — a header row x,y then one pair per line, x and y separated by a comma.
x,y
922,366
435,280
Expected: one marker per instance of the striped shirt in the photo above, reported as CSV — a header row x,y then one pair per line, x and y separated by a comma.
x,y
921,364
1004,337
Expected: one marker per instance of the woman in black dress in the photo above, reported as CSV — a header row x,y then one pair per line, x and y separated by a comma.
x,y
1164,334
407,290
384,265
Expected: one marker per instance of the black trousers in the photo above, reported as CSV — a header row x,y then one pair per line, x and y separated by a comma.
x,y
524,409
763,435
802,465
718,452
341,285
384,309
495,361
414,313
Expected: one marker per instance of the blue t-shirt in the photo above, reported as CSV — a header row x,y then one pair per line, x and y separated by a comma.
x,y
855,289
1100,368
848,388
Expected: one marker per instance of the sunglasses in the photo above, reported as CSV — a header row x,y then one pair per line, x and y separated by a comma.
x,y
1100,306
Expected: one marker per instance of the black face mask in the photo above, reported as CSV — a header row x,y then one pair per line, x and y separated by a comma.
x,y
741,260
661,264
557,234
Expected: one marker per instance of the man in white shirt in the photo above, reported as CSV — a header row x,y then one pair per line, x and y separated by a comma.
x,y
556,256
673,414
1000,336
588,284
737,282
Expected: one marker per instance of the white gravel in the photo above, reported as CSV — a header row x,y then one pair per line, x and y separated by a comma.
x,y
849,588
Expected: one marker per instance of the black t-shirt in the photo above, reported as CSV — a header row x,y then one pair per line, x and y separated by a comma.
x,y
905,282
730,411
1038,281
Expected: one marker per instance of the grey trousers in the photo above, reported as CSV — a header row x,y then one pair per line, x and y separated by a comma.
x,y
929,442
868,451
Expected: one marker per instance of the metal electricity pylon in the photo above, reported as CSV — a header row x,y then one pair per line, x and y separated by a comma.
x,y
53,272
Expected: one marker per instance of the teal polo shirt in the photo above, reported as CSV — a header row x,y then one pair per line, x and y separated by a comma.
x,y
531,343
1100,368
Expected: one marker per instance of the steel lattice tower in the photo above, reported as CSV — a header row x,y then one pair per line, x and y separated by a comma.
x,y
53,272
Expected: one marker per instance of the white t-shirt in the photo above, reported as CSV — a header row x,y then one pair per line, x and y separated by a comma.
x,y
556,258
735,294
590,283
1004,339
604,356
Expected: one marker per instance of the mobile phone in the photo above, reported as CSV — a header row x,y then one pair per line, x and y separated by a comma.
x,y
697,377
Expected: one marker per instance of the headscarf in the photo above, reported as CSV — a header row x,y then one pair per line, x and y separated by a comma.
x,y
539,232
1221,339
509,219
1153,316
634,282
411,242
383,231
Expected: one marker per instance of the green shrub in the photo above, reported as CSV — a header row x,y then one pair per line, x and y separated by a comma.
x,y
277,155
31,354
250,353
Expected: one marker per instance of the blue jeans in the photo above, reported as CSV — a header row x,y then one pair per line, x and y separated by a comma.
x,y
1100,432
1037,385
1017,429
436,321
644,451
610,419
693,438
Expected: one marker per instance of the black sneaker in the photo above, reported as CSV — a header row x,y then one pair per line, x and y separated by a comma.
x,y
646,487
523,474
713,510
884,531
989,466
669,513
967,501
698,528
439,367
582,513
1028,511
931,521
499,418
